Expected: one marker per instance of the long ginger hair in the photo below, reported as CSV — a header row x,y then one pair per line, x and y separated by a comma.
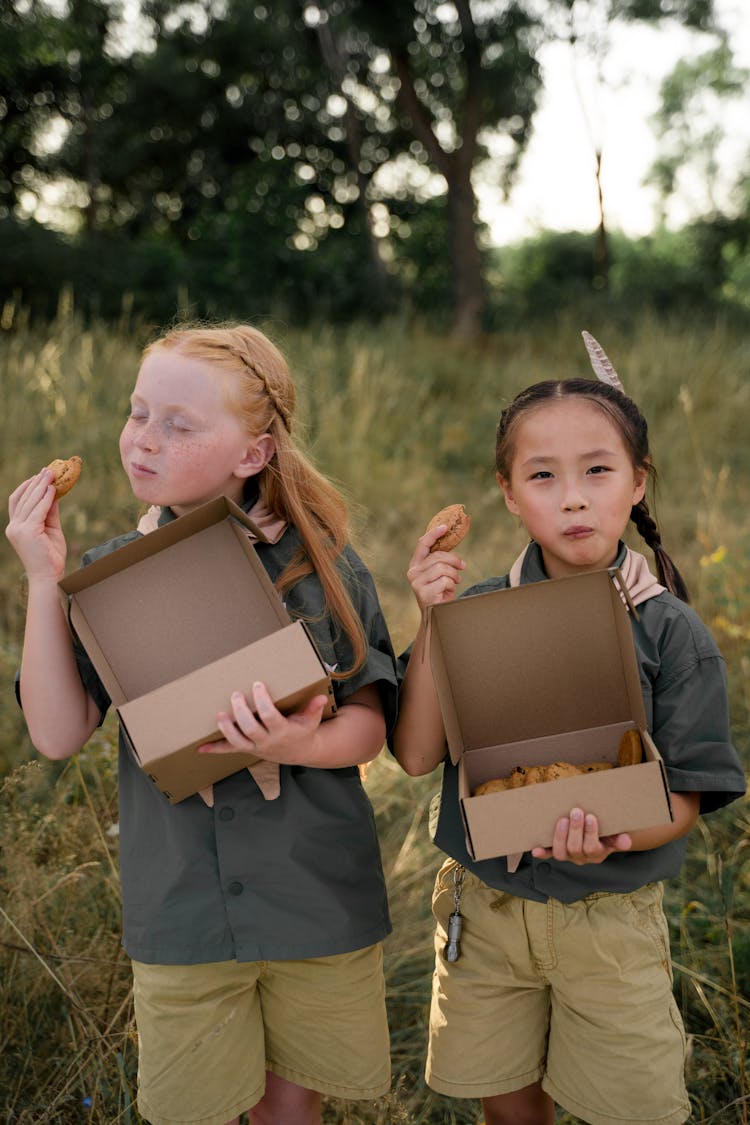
x,y
290,485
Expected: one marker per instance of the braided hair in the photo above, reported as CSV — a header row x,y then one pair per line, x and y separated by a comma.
x,y
633,428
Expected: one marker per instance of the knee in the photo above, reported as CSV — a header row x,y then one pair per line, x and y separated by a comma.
x,y
528,1106
285,1103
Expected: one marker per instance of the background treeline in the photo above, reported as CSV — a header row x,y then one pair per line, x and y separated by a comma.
x,y
683,273
320,160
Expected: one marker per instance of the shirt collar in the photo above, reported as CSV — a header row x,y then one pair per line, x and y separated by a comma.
x,y
532,569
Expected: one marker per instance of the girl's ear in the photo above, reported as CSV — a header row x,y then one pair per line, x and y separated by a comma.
x,y
640,480
510,503
257,456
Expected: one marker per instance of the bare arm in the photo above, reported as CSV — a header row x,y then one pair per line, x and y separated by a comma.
x,y
59,712
577,838
419,736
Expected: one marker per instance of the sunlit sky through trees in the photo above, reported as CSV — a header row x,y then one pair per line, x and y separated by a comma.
x,y
580,111
604,101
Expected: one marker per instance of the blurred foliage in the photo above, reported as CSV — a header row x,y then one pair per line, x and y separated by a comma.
x,y
314,160
701,268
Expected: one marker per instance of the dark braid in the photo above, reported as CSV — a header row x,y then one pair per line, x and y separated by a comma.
x,y
668,573
632,426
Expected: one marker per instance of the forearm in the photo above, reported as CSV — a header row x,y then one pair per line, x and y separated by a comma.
x,y
59,713
419,737
686,808
353,736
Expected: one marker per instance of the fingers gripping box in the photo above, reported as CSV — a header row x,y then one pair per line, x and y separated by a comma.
x,y
536,674
177,620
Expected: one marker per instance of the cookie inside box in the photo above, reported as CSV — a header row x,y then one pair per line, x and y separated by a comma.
x,y
597,744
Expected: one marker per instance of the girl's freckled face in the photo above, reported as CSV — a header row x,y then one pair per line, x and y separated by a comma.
x,y
182,444
572,484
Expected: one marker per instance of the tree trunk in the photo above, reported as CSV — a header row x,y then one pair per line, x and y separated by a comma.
x,y
468,289
334,62
455,167
601,253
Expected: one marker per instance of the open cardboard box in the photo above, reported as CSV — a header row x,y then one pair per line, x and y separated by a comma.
x,y
537,674
177,620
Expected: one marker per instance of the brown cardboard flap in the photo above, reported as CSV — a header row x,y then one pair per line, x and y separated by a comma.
x,y
629,797
164,605
204,516
186,772
534,660
183,712
173,623
169,724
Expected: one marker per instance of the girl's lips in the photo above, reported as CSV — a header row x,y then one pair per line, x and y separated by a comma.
x,y
141,470
577,532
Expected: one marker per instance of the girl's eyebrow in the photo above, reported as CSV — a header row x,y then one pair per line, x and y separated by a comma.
x,y
169,407
592,454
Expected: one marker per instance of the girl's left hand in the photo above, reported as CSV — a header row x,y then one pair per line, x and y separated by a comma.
x,y
261,730
577,840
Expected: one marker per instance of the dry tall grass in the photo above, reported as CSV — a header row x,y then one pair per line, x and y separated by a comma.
x,y
406,421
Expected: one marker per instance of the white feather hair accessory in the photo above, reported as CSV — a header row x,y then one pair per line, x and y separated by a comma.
x,y
603,369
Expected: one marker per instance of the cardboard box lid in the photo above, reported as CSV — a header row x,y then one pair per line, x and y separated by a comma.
x,y
183,712
535,660
181,597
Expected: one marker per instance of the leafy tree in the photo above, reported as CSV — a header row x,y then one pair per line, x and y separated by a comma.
x,y
587,26
61,80
428,80
297,153
690,122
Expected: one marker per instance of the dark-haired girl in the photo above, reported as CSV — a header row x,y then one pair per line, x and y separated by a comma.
x,y
562,993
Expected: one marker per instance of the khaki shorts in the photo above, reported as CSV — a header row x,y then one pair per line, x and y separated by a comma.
x,y
208,1033
576,995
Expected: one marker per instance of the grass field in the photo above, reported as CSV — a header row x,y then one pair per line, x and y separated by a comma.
x,y
405,421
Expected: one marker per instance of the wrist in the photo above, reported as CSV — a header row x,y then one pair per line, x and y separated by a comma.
x,y
43,588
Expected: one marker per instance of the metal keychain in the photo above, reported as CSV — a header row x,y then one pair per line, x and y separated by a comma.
x,y
452,950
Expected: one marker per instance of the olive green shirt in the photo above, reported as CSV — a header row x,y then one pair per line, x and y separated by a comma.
x,y
250,879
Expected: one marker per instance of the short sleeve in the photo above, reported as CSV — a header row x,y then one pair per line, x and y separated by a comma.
x,y
90,679
689,708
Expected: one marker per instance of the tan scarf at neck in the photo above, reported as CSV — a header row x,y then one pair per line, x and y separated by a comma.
x,y
640,583
272,527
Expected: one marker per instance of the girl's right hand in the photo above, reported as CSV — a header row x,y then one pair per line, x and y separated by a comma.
x,y
434,577
34,528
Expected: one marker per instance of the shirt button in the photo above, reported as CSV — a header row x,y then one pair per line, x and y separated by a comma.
x,y
235,888
226,813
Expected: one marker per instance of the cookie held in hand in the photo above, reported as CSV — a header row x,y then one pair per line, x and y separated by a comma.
x,y
65,473
458,522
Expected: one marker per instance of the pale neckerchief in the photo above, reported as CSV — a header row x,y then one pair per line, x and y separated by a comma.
x,y
265,774
640,583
